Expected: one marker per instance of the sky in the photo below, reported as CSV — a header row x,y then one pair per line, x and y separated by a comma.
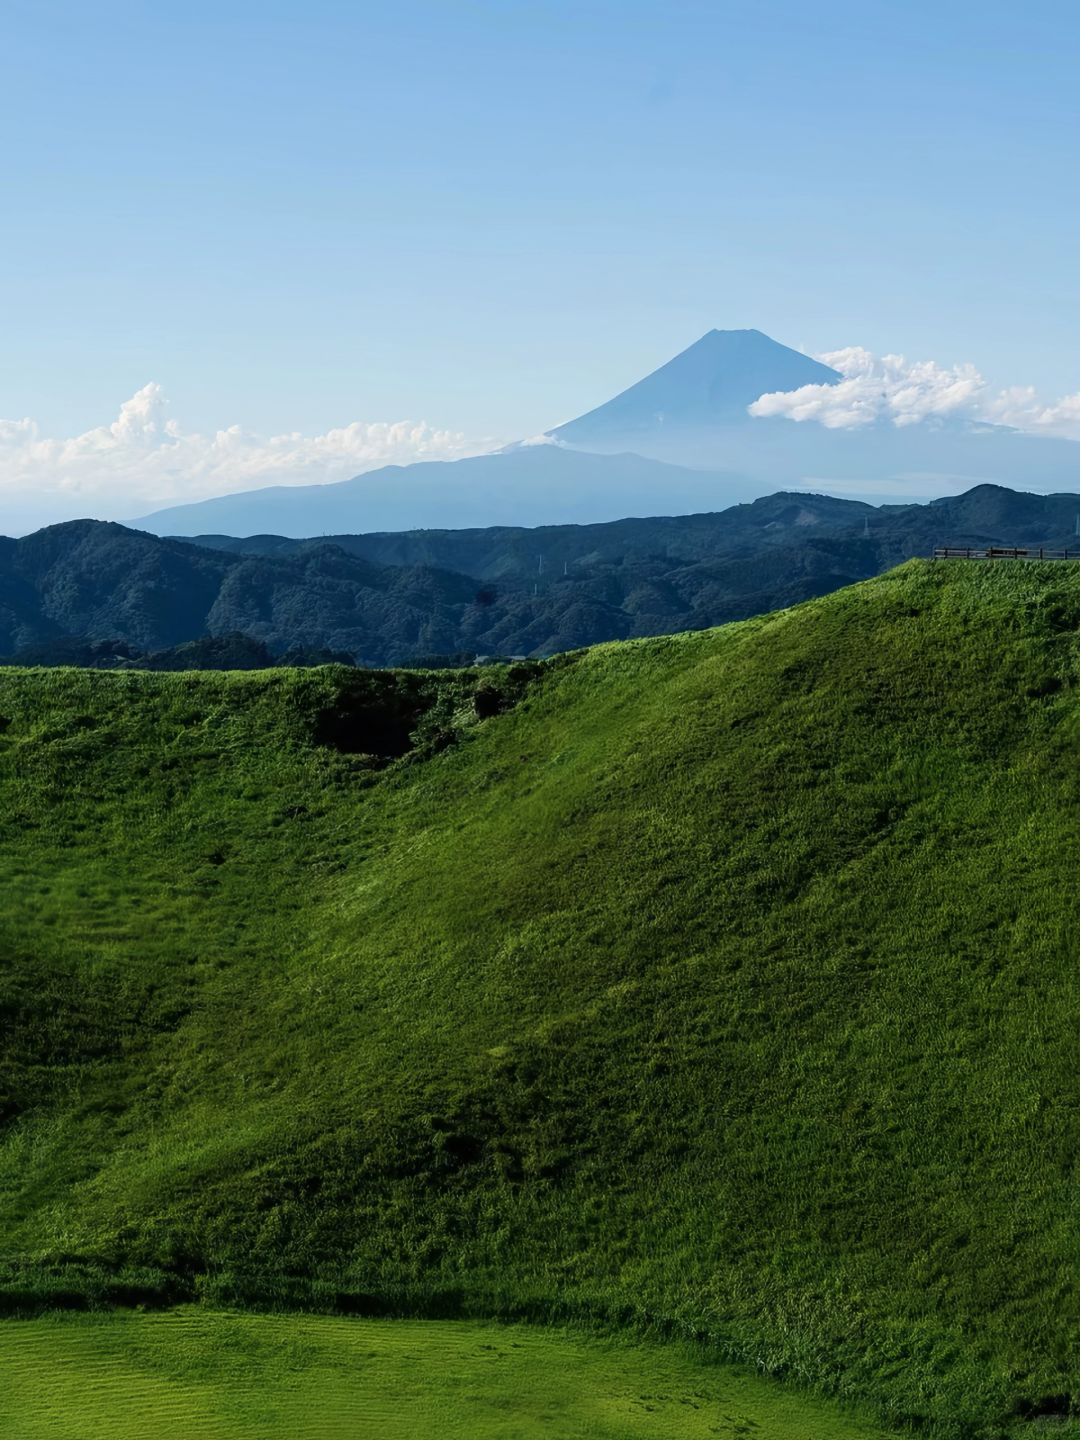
x,y
244,242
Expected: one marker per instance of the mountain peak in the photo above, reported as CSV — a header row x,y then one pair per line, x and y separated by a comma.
x,y
759,333
714,380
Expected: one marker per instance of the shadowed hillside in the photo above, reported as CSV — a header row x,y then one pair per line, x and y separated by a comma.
x,y
722,983
96,594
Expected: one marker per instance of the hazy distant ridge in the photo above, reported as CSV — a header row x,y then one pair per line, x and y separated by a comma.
x,y
680,440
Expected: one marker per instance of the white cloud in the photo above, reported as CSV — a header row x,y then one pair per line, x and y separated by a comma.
x,y
145,459
533,440
892,389
1020,406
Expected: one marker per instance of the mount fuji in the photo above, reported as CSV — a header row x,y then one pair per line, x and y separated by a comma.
x,y
680,440
695,411
712,384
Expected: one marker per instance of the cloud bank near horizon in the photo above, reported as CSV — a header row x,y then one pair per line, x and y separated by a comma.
x,y
145,459
893,389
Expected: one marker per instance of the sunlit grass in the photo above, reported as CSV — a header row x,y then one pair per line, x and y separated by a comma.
x,y
724,985
203,1375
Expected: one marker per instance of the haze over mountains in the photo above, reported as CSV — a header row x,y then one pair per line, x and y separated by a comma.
x,y
530,485
681,440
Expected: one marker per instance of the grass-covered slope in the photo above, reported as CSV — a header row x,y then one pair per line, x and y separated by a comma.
x,y
198,1374
724,981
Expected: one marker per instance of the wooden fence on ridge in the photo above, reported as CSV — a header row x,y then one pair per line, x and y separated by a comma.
x,y
995,552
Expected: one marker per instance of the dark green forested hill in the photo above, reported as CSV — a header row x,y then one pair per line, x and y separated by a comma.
x,y
724,982
99,594
787,526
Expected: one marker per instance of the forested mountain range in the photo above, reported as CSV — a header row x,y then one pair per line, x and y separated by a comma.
x,y
97,593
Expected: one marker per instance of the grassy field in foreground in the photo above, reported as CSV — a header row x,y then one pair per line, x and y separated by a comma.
x,y
721,985
199,1375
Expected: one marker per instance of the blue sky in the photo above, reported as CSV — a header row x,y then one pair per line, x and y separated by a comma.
x,y
491,216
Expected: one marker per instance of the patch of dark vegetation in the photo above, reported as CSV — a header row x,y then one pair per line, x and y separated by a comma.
x,y
238,651
460,1148
74,650
1047,1407
355,725
488,700
1044,686
233,651
30,1289
1058,611
390,714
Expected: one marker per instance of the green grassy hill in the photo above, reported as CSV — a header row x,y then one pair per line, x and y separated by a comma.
x,y
723,984
198,1374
